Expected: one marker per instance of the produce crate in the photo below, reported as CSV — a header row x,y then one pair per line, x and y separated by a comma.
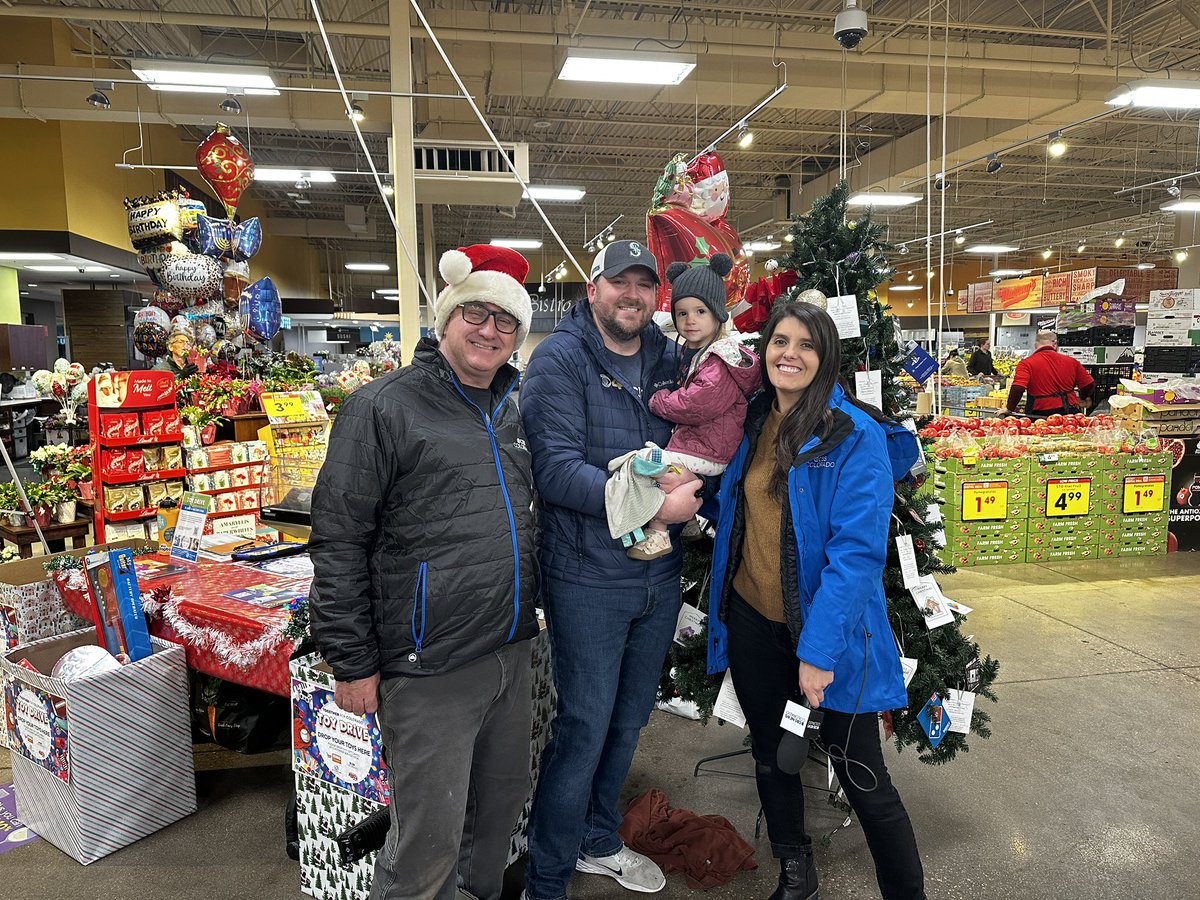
x,y
1060,554
992,558
999,528
1170,359
982,500
1063,498
1014,470
1057,538
1148,547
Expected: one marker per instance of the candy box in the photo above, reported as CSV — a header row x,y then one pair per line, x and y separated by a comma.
x,y
171,422
111,426
174,489
130,425
135,463
114,462
152,459
99,762
172,457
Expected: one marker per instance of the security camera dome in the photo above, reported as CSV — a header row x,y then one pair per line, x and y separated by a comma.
x,y
850,27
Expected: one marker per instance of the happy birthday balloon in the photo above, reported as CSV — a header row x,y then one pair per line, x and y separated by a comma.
x,y
152,220
167,302
260,310
150,329
224,163
193,278
155,259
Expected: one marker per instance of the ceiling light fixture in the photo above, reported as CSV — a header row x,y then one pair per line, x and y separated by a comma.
x,y
204,78
367,267
626,68
554,194
789,237
98,98
960,238
992,249
903,250
517,243
745,137
1145,265
1008,273
303,184
1158,94
912,275
1183,204
270,173
1173,189
1057,146
388,190
905,287
993,164
1181,256
67,269
939,182
1047,253
13,254
1082,246
929,274
356,113
231,105
868,198
1120,241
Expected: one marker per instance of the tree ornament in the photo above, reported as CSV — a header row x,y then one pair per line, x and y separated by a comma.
x,y
813,296
851,224
920,544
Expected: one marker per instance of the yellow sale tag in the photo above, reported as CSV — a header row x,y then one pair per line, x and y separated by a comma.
x,y
984,500
283,406
1145,493
1068,497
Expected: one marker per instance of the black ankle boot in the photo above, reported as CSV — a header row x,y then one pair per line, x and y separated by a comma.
x,y
797,879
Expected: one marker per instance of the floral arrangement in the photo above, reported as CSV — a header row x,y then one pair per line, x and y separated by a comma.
x,y
41,495
282,371
78,466
50,458
66,383
9,498
383,356
9,553
351,379
199,417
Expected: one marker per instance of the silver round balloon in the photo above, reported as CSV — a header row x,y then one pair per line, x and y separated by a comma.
x,y
206,336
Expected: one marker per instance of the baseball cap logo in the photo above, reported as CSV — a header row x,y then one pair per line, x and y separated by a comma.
x,y
635,249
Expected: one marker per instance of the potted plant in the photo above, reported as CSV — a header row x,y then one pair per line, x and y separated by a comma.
x,y
10,502
78,470
64,497
202,421
50,459
41,501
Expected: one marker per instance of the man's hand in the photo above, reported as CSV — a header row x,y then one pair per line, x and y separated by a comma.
x,y
679,506
358,697
669,480
189,370
813,682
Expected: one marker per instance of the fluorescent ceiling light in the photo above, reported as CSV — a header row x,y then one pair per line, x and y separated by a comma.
x,y
1144,266
266,173
627,68
762,246
33,256
1009,273
367,267
202,78
905,287
1158,94
549,192
992,248
68,268
873,199
387,292
1184,204
517,243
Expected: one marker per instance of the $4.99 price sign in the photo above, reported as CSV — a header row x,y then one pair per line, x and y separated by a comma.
x,y
1144,494
984,500
1068,497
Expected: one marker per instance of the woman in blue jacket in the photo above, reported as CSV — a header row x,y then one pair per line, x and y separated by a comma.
x,y
797,603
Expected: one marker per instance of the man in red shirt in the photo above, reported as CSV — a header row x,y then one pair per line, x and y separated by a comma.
x,y
1052,380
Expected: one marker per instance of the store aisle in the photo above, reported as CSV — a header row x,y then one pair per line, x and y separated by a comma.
x,y
1087,791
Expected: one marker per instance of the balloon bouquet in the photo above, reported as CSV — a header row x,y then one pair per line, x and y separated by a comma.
x,y
200,264
686,223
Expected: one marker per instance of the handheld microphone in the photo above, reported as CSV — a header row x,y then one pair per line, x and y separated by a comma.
x,y
800,725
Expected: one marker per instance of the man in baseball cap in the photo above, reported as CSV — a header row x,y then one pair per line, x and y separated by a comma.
x,y
611,618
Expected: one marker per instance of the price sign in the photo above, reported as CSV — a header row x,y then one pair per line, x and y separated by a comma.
x,y
984,500
1068,497
1145,493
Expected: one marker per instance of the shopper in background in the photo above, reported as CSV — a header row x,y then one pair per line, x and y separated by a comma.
x,y
954,365
981,360
818,467
424,582
177,361
611,617
1055,382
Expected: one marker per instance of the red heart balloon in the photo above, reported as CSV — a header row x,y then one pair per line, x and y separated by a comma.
x,y
679,235
225,164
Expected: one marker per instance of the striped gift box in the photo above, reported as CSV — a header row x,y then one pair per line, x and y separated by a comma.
x,y
129,748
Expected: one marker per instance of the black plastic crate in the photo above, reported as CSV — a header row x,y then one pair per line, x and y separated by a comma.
x,y
1081,338
1170,359
1111,336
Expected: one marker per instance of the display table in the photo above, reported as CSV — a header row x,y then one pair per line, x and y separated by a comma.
x,y
26,536
246,425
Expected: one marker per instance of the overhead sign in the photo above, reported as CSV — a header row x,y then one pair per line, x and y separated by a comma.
x,y
1018,293
342,335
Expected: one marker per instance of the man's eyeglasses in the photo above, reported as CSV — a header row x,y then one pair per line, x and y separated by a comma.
x,y
477,314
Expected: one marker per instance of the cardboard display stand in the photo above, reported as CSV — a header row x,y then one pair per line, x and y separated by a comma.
x,y
103,761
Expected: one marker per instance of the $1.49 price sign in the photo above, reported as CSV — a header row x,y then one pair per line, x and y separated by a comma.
x,y
1145,494
984,500
1068,497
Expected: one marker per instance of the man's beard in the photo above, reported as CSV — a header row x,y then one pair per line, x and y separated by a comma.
x,y
608,321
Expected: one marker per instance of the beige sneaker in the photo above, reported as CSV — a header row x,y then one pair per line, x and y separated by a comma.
x,y
652,546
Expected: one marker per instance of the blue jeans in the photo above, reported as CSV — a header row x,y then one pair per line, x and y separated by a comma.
x,y
608,648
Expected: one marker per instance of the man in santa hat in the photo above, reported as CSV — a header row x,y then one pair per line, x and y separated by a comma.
x,y
424,582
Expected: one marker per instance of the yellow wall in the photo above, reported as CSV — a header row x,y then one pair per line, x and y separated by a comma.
x,y
28,41
31,177
290,262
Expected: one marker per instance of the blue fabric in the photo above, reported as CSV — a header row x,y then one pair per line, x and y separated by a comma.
x,y
608,646
578,415
840,504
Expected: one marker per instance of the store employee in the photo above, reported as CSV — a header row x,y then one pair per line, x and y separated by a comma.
x,y
1056,383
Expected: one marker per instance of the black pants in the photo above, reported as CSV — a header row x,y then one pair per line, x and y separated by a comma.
x,y
765,670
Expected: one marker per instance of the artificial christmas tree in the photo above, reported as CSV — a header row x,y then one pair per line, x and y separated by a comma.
x,y
834,257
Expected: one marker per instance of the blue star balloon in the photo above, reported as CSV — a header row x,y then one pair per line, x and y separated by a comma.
x,y
260,310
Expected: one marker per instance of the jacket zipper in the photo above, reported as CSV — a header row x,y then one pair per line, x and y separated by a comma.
x,y
419,599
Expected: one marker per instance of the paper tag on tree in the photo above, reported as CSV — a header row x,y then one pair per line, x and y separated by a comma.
x,y
868,387
690,622
908,560
960,705
909,665
935,720
844,312
726,706
929,600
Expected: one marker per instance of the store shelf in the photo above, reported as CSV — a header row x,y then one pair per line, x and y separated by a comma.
x,y
207,469
214,491
145,477
236,512
130,514
142,441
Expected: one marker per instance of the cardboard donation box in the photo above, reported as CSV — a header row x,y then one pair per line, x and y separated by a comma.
x,y
99,762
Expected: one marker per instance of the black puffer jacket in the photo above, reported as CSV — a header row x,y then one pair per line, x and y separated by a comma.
x,y
423,536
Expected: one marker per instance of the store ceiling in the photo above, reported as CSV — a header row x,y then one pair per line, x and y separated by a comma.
x,y
1012,72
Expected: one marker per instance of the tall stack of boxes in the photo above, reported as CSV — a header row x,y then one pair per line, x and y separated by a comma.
x,y
1052,507
1173,331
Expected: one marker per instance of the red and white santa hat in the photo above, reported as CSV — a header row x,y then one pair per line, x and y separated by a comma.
x,y
485,274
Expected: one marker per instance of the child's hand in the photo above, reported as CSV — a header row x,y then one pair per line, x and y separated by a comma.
x,y
675,477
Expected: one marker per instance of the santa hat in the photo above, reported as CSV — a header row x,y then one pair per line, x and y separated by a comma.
x,y
485,274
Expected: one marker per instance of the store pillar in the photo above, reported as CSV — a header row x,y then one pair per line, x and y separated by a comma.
x,y
1187,229
403,164
10,297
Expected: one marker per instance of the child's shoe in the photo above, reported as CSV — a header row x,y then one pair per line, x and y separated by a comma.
x,y
652,546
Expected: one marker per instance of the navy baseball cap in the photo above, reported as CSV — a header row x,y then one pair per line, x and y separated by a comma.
x,y
618,256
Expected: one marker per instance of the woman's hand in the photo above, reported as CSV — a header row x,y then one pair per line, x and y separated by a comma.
x,y
813,682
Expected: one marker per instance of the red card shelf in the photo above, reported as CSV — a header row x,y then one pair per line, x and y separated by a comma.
x,y
145,477
141,441
130,514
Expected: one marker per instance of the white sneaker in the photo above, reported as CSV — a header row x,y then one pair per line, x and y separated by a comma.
x,y
631,870
652,546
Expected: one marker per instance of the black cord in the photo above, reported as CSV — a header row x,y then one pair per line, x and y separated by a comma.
x,y
837,753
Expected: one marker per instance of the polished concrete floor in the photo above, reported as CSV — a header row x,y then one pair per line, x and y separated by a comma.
x,y
1088,789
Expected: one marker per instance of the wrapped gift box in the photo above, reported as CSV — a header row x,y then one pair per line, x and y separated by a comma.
x,y
103,761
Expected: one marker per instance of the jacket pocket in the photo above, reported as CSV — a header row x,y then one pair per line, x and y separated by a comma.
x,y
417,621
